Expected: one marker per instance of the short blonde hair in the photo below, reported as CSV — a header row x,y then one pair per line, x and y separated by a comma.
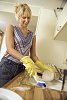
x,y
20,9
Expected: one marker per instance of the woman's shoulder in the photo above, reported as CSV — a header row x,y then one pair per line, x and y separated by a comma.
x,y
31,32
9,26
9,29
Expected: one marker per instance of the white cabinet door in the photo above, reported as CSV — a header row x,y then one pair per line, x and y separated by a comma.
x,y
61,28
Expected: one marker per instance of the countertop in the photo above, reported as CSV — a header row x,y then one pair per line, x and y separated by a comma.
x,y
20,84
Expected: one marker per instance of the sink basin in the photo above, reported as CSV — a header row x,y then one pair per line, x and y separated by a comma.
x,y
6,94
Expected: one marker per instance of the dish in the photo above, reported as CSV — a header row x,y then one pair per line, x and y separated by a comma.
x,y
6,94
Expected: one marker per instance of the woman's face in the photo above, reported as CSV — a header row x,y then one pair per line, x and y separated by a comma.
x,y
24,19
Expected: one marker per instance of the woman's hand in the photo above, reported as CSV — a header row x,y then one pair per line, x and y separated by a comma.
x,y
29,64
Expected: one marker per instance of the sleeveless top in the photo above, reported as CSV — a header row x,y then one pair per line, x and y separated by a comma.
x,y
21,44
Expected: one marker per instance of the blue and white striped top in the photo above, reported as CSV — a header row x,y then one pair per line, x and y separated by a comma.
x,y
21,44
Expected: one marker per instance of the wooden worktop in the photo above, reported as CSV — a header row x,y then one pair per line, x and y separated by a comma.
x,y
34,92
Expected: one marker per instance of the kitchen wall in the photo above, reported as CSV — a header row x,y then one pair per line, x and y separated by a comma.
x,y
49,51
10,7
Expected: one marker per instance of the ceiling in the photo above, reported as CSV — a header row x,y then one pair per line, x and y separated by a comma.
x,y
48,4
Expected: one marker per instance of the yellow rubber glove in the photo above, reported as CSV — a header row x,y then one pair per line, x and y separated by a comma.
x,y
29,64
43,67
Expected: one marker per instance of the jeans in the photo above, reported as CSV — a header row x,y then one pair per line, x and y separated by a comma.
x,y
8,70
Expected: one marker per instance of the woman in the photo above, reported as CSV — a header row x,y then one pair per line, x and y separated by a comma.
x,y
20,42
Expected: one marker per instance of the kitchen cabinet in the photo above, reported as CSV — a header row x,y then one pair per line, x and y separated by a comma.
x,y
62,33
61,27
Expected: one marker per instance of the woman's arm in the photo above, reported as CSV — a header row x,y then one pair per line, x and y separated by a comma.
x,y
10,43
33,50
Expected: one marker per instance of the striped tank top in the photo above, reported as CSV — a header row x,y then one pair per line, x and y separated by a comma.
x,y
21,44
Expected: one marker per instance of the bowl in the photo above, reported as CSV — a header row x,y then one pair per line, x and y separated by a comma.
x,y
6,94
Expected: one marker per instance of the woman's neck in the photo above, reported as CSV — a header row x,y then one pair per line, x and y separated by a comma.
x,y
24,30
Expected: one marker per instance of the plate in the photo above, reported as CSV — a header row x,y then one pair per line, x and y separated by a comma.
x,y
6,94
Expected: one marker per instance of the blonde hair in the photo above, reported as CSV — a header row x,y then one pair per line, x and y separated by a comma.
x,y
20,9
